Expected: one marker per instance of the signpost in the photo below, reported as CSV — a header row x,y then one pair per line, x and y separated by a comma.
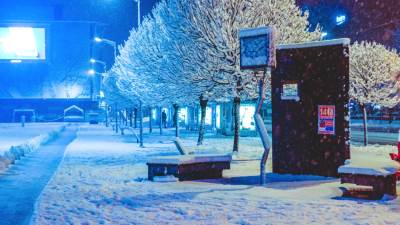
x,y
257,52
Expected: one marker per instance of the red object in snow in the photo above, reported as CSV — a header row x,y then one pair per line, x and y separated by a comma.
x,y
398,144
396,157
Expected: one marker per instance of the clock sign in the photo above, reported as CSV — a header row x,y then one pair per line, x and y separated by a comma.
x,y
257,49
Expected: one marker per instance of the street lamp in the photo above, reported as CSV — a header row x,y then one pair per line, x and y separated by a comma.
x,y
109,42
92,74
94,61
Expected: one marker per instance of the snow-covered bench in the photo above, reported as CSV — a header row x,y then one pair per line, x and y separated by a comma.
x,y
378,174
189,167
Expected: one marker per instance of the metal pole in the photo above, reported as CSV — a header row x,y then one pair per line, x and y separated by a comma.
x,y
261,128
138,2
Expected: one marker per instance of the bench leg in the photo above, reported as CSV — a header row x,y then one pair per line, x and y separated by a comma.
x,y
386,185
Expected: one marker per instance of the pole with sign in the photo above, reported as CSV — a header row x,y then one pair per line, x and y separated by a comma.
x,y
257,53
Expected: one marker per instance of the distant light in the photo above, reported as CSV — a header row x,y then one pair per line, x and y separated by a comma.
x,y
324,34
15,61
74,91
97,39
340,19
92,60
101,94
91,72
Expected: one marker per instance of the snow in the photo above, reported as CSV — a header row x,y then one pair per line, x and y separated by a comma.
x,y
251,32
12,134
368,163
189,159
340,41
23,142
103,180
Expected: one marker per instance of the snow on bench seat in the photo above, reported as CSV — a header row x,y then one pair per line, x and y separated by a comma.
x,y
189,167
377,167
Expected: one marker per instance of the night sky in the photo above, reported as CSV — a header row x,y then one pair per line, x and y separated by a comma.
x,y
114,17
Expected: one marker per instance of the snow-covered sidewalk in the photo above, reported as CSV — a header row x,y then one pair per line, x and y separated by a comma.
x,y
23,182
102,180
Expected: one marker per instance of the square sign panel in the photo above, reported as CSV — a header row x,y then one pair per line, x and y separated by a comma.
x,y
326,119
290,91
257,48
22,43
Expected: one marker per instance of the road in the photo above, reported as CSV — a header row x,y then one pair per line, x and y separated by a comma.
x,y
357,137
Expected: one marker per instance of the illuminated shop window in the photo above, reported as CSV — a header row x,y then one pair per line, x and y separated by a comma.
x,y
247,117
218,115
208,116
183,115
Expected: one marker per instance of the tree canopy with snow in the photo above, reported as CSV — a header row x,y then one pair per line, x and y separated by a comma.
x,y
372,74
188,50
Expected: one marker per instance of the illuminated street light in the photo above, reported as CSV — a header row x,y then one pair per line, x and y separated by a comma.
x,y
109,42
91,72
97,39
93,61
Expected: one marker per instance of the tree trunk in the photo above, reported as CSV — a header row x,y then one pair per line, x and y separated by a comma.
x,y
130,118
176,122
364,111
106,116
141,123
150,120
160,119
236,116
116,120
203,106
136,112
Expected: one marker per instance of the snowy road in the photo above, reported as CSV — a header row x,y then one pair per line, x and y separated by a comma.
x,y
21,185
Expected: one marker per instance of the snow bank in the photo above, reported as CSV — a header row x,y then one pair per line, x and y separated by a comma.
x,y
19,151
371,160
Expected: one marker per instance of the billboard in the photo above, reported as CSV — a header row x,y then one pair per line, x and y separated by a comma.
x,y
22,43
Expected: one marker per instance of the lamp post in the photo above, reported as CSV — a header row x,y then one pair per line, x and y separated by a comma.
x,y
92,74
138,6
94,61
108,42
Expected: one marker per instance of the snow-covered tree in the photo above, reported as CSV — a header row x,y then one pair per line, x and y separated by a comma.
x,y
372,76
189,49
217,22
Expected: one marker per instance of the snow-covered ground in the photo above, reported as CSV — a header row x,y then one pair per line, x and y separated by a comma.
x,y
12,134
102,180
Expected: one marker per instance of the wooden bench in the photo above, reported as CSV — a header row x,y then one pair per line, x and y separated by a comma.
x,y
381,180
189,167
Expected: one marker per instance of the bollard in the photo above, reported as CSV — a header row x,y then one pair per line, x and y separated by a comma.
x,y
23,121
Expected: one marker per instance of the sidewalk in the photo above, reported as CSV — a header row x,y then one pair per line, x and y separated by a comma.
x,y
22,183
